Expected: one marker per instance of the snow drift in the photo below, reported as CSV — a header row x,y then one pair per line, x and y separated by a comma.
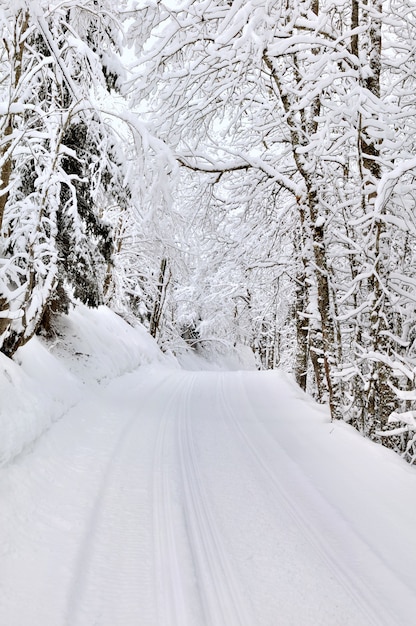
x,y
48,377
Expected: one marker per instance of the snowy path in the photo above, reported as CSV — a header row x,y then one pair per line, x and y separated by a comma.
x,y
172,498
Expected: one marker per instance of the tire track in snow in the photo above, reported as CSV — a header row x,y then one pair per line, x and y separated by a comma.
x,y
337,567
222,601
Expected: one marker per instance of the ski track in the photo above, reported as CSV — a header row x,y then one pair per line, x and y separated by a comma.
x,y
303,523
190,514
221,596
169,579
101,550
359,567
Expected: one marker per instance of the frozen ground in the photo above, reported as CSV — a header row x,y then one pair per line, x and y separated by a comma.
x,y
134,493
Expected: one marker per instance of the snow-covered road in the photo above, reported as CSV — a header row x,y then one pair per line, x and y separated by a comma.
x,y
173,498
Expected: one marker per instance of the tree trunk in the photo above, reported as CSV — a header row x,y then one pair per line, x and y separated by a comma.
x,y
158,304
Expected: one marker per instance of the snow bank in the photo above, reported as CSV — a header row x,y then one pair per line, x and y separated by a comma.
x,y
47,378
98,345
35,390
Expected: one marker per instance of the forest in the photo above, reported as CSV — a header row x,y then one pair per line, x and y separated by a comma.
x,y
233,174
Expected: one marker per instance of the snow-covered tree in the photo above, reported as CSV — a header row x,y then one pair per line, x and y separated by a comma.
x,y
59,164
248,179
309,103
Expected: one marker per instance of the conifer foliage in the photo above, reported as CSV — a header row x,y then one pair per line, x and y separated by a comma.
x,y
56,163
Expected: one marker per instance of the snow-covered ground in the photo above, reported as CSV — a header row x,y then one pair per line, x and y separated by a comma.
x,y
137,493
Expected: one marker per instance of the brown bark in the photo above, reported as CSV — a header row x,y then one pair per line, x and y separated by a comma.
x,y
300,131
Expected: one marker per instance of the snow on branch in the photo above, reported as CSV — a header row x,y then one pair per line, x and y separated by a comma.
x,y
395,366
218,168
207,165
408,418
388,182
